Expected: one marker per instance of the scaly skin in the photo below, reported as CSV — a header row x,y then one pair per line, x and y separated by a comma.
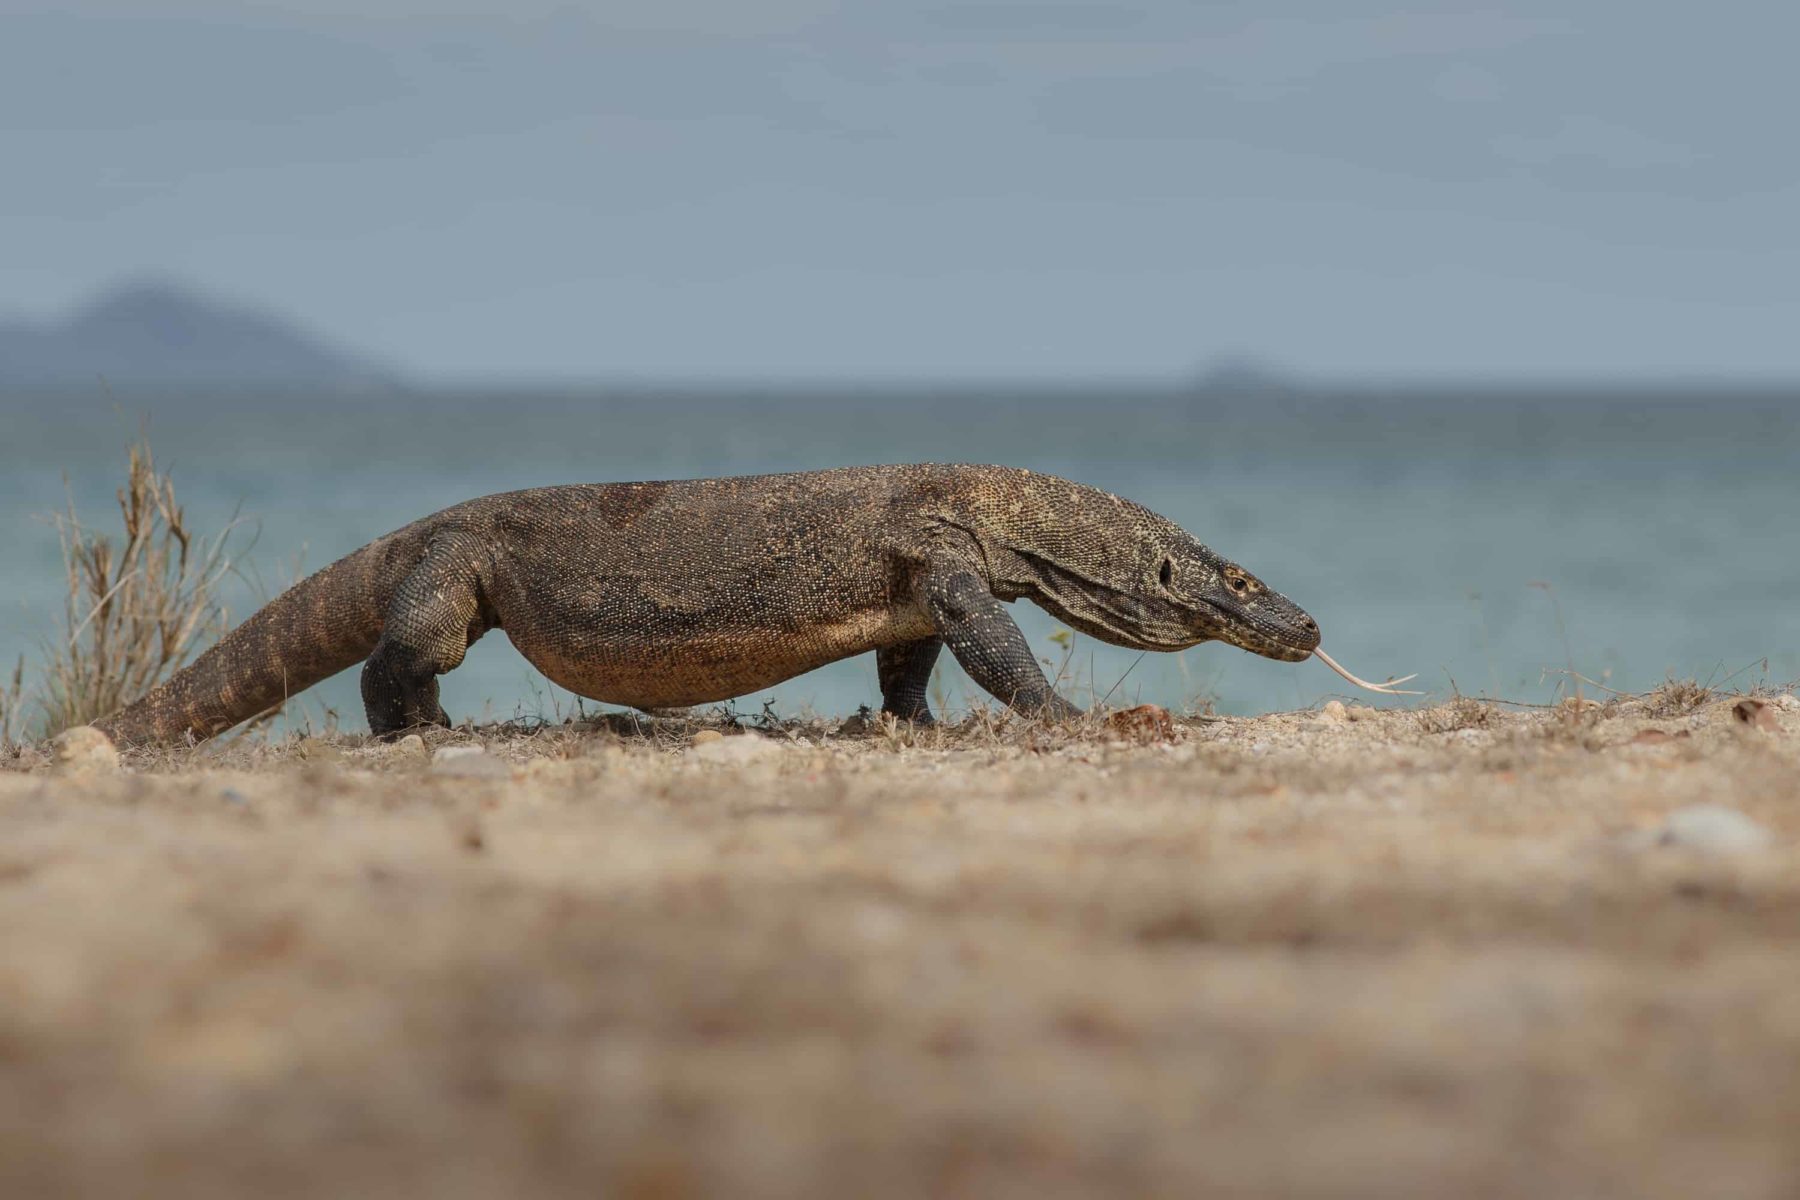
x,y
663,595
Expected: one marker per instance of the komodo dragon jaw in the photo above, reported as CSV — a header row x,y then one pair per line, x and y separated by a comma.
x,y
1272,626
682,592
1190,596
1136,579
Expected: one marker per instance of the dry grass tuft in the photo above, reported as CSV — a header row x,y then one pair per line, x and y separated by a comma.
x,y
1677,698
1463,712
137,606
12,703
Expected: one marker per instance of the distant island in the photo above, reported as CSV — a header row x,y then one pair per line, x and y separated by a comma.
x,y
157,333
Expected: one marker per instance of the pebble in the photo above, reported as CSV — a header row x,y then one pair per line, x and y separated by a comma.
x,y
1143,723
84,748
314,749
707,737
445,754
1713,828
412,743
1753,713
1788,701
1360,712
744,748
468,762
1333,712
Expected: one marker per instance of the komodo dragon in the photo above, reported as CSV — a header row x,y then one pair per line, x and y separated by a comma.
x,y
662,595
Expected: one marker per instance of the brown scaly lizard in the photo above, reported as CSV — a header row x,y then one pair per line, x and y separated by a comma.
x,y
664,595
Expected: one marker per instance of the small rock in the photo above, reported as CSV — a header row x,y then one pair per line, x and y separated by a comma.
x,y
1757,714
1334,712
856,726
468,762
745,748
1360,712
412,743
452,753
1145,723
1713,828
706,736
84,748
1788,701
314,749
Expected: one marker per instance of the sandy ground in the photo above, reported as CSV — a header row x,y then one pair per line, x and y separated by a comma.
x,y
1456,952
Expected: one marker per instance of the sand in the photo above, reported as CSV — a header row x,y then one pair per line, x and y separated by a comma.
x,y
1455,952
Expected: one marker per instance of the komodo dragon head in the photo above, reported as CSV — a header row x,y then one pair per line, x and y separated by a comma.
x,y
1116,571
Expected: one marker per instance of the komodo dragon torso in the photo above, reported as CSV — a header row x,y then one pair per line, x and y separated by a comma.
x,y
661,595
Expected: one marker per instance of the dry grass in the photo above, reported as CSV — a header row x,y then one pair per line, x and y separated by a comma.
x,y
1677,698
137,606
1283,955
1462,712
12,708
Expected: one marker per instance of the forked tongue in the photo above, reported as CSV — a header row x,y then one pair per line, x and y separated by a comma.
x,y
1386,689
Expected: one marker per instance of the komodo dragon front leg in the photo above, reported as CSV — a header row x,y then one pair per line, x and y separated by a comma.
x,y
986,643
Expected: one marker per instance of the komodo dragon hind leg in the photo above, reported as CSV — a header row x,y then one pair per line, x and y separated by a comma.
x,y
431,621
905,675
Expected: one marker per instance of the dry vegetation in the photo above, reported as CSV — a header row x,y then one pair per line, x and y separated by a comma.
x,y
1358,954
136,607
1460,713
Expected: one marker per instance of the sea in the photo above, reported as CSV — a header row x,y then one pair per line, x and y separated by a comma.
x,y
1497,540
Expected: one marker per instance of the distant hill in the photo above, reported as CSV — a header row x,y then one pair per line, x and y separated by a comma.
x,y
158,333
1245,375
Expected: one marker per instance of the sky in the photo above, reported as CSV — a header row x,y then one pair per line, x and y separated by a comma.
x,y
1039,189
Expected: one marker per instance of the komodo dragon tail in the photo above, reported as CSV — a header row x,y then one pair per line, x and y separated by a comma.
x,y
327,622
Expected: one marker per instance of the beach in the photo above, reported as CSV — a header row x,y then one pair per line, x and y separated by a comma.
x,y
1460,950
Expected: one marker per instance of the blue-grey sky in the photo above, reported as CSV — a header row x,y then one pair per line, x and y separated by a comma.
x,y
1037,188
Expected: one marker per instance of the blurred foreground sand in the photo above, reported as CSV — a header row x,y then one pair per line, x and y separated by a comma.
x,y
1413,954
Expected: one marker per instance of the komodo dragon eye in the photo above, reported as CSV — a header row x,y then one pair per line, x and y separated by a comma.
x,y
1167,574
1239,584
